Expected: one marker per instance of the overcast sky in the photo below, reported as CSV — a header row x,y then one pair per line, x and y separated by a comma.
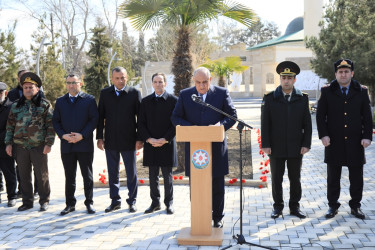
x,y
279,12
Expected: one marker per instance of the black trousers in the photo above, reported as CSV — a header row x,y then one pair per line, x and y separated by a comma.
x,y
26,158
334,188
19,181
294,174
154,185
8,169
85,160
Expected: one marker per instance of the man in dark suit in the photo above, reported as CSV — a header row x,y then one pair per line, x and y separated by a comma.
x,y
188,113
344,123
74,119
156,129
117,134
286,136
6,162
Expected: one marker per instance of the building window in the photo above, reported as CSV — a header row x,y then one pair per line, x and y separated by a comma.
x,y
270,78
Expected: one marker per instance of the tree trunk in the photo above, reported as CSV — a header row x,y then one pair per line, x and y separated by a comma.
x,y
182,69
221,82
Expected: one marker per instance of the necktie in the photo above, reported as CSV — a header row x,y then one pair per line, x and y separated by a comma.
x,y
201,97
73,99
158,98
118,92
344,91
287,97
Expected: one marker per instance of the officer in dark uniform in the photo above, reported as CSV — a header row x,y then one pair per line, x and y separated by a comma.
x,y
286,136
344,123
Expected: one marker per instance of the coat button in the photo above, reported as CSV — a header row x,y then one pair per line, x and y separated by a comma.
x,y
346,102
346,137
346,126
345,113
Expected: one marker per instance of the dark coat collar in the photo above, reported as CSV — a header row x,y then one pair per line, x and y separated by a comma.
x,y
36,100
279,93
164,95
354,85
126,89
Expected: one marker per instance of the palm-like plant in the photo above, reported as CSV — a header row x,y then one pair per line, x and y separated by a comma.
x,y
223,67
148,14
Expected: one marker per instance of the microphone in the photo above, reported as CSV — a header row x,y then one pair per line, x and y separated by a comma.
x,y
196,98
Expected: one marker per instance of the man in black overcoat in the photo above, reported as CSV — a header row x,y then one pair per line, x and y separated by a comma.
x,y
155,128
7,165
74,119
117,135
286,136
344,123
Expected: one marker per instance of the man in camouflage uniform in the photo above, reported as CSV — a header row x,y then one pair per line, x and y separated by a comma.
x,y
30,136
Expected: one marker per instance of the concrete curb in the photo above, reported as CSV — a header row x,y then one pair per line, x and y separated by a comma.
x,y
185,181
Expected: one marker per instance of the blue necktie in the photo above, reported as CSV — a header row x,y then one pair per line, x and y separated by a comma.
x,y
118,92
73,99
344,91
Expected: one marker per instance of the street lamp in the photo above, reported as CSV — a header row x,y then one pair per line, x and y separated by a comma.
x,y
38,55
109,68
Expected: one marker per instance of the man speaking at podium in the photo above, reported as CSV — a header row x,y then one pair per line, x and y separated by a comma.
x,y
189,113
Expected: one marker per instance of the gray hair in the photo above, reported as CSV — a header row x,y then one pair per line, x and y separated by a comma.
x,y
203,70
73,75
119,69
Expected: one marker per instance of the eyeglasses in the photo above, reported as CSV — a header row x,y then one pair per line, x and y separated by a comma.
x,y
72,83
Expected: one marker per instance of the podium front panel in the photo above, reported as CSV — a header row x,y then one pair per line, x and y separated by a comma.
x,y
201,188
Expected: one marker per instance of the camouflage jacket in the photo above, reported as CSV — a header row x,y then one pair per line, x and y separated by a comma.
x,y
30,124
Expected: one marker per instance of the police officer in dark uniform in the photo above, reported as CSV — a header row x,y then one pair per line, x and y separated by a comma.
x,y
344,123
286,136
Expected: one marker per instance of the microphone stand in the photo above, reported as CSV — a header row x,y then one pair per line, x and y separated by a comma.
x,y
240,239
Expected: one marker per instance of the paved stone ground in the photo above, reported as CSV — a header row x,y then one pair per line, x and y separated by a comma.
x,y
78,230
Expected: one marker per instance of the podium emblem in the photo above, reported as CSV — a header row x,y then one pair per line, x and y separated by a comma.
x,y
200,159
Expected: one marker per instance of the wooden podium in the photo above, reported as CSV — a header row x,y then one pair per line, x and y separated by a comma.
x,y
201,231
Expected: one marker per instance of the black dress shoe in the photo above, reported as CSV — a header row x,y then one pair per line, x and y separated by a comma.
x,y
132,208
112,208
357,212
90,209
24,207
12,202
218,224
67,210
44,207
298,213
170,210
152,209
331,212
276,213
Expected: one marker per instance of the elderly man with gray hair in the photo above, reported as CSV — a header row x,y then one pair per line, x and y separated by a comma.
x,y
189,113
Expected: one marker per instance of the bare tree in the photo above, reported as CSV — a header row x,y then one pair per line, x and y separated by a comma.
x,y
73,16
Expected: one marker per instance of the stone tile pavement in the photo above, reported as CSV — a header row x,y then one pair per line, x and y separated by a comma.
x,y
121,230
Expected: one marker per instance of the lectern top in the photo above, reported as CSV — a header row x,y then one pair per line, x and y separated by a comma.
x,y
200,133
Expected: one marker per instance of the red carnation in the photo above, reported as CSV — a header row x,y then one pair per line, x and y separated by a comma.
x,y
234,180
230,182
243,181
175,177
261,168
260,186
103,170
142,181
181,177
